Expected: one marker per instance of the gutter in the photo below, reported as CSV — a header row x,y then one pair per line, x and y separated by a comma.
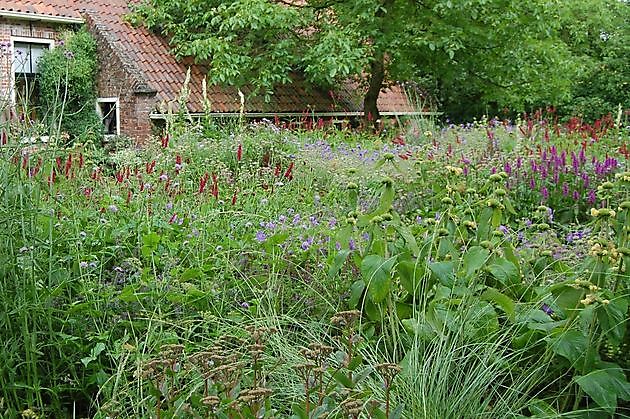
x,y
159,116
40,17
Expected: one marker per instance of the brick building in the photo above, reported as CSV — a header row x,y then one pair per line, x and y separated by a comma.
x,y
139,79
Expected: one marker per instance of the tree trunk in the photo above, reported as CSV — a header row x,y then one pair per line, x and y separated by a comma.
x,y
377,75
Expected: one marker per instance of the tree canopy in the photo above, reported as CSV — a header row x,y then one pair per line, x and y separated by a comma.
x,y
498,52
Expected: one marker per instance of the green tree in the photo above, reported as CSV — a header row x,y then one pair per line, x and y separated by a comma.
x,y
598,34
502,46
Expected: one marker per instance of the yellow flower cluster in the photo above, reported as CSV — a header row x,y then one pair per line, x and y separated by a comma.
x,y
456,170
603,212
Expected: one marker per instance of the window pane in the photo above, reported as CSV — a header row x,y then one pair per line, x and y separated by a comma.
x,y
21,58
26,57
107,111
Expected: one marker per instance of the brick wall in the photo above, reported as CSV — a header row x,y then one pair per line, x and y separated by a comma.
x,y
10,28
118,78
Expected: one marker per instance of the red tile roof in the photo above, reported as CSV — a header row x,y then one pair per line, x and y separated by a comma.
x,y
66,8
148,58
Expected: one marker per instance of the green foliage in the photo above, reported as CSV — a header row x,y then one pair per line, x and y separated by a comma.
x,y
476,52
68,87
450,292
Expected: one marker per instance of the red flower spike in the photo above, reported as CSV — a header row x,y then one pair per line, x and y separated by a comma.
x,y
202,182
289,172
215,186
81,161
239,152
276,172
68,165
234,198
164,141
129,194
52,177
4,139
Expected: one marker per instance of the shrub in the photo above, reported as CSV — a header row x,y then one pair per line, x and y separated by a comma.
x,y
68,86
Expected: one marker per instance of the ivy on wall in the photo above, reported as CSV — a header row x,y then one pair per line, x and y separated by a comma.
x,y
67,82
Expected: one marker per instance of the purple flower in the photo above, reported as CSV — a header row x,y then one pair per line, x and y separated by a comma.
x,y
545,193
113,208
245,305
548,310
503,229
332,223
352,244
83,264
260,236
337,246
296,219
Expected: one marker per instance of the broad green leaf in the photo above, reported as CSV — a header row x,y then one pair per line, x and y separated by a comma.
x,y
377,273
356,291
404,311
571,344
338,262
474,259
343,379
507,305
191,273
151,240
566,296
505,272
372,310
411,274
410,240
497,216
605,386
613,319
419,328
444,272
299,411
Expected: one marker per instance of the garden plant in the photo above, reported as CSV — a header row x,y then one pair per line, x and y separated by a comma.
x,y
475,270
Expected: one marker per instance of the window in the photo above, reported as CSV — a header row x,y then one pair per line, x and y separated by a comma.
x,y
26,55
108,110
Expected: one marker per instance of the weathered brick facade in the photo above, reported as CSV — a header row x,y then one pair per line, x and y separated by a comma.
x,y
119,77
10,28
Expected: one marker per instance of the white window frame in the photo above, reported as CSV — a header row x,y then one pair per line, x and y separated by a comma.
x,y
28,40
116,102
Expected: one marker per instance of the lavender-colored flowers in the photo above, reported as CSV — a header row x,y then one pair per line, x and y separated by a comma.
x,y
261,236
